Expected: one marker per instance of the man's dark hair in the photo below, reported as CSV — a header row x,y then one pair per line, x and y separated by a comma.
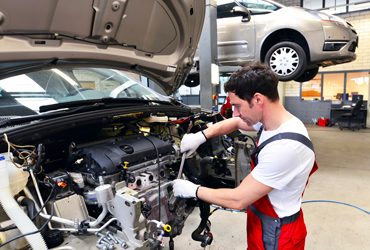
x,y
251,79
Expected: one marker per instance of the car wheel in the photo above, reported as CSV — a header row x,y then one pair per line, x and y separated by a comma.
x,y
307,75
287,59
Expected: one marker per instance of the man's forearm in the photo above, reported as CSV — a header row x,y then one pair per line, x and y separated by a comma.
x,y
223,197
240,197
222,128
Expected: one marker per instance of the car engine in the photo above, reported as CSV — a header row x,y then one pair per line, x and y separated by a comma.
x,y
109,186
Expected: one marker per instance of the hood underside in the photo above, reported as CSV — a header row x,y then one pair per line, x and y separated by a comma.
x,y
154,38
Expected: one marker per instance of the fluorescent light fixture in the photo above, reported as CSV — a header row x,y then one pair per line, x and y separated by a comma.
x,y
214,73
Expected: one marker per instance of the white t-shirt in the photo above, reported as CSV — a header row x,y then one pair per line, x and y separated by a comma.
x,y
285,166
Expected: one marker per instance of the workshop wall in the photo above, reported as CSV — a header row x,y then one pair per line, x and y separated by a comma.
x,y
306,110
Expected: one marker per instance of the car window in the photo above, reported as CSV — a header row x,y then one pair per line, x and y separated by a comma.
x,y
258,6
225,9
24,94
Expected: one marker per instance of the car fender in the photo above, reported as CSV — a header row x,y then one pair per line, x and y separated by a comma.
x,y
309,27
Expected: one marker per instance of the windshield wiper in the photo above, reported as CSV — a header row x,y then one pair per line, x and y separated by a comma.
x,y
26,119
5,122
76,107
100,103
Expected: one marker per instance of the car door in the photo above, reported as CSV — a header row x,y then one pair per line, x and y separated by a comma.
x,y
235,36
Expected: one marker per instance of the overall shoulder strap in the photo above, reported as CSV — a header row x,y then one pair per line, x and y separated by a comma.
x,y
288,135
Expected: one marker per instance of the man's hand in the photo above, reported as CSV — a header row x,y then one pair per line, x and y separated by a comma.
x,y
184,188
190,142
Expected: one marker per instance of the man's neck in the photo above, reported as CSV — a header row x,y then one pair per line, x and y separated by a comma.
x,y
274,115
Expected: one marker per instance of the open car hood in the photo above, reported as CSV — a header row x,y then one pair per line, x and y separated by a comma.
x,y
155,38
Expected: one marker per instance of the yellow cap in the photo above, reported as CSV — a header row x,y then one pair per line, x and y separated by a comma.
x,y
167,228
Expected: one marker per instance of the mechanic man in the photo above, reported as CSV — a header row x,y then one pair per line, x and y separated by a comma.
x,y
285,157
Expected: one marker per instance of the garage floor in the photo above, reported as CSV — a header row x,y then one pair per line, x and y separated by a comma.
x,y
343,176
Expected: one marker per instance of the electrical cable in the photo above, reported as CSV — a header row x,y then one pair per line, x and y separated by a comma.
x,y
42,227
250,137
23,156
338,202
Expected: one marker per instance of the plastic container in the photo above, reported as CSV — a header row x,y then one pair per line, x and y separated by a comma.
x,y
17,177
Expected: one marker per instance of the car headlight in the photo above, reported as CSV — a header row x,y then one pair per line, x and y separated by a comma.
x,y
327,17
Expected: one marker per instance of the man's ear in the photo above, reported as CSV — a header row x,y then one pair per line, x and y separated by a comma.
x,y
258,98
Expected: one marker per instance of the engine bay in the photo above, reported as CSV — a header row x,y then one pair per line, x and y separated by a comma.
x,y
108,186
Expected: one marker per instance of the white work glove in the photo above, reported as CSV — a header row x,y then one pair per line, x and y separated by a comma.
x,y
184,188
190,142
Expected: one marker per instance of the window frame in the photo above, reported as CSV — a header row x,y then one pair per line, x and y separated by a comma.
x,y
347,5
322,84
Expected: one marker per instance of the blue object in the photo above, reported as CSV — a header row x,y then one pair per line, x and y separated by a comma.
x,y
338,203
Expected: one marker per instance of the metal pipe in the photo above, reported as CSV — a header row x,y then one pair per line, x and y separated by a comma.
x,y
37,190
101,216
57,220
90,230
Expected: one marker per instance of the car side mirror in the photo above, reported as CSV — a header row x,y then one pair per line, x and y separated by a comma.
x,y
244,12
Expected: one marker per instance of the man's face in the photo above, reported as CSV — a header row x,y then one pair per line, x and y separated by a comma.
x,y
247,112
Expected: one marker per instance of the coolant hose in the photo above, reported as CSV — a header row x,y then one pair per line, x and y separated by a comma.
x,y
204,214
29,204
16,214
202,172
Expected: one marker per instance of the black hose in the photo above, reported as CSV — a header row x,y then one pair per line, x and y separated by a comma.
x,y
202,172
30,205
204,214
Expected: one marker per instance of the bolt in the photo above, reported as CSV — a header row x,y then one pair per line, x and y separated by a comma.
x,y
99,234
103,247
101,241
110,247
112,237
104,241
123,243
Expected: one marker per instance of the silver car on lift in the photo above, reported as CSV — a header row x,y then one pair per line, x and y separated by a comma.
x,y
294,41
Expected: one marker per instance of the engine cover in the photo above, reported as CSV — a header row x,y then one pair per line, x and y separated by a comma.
x,y
109,158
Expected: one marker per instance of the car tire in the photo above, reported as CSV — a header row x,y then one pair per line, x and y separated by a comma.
x,y
307,75
294,64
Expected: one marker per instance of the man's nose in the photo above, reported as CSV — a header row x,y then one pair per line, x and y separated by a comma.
x,y
236,112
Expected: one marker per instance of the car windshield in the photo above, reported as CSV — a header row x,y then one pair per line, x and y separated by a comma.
x,y
23,95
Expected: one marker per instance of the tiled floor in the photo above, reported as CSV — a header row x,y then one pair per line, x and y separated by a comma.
x,y
344,176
